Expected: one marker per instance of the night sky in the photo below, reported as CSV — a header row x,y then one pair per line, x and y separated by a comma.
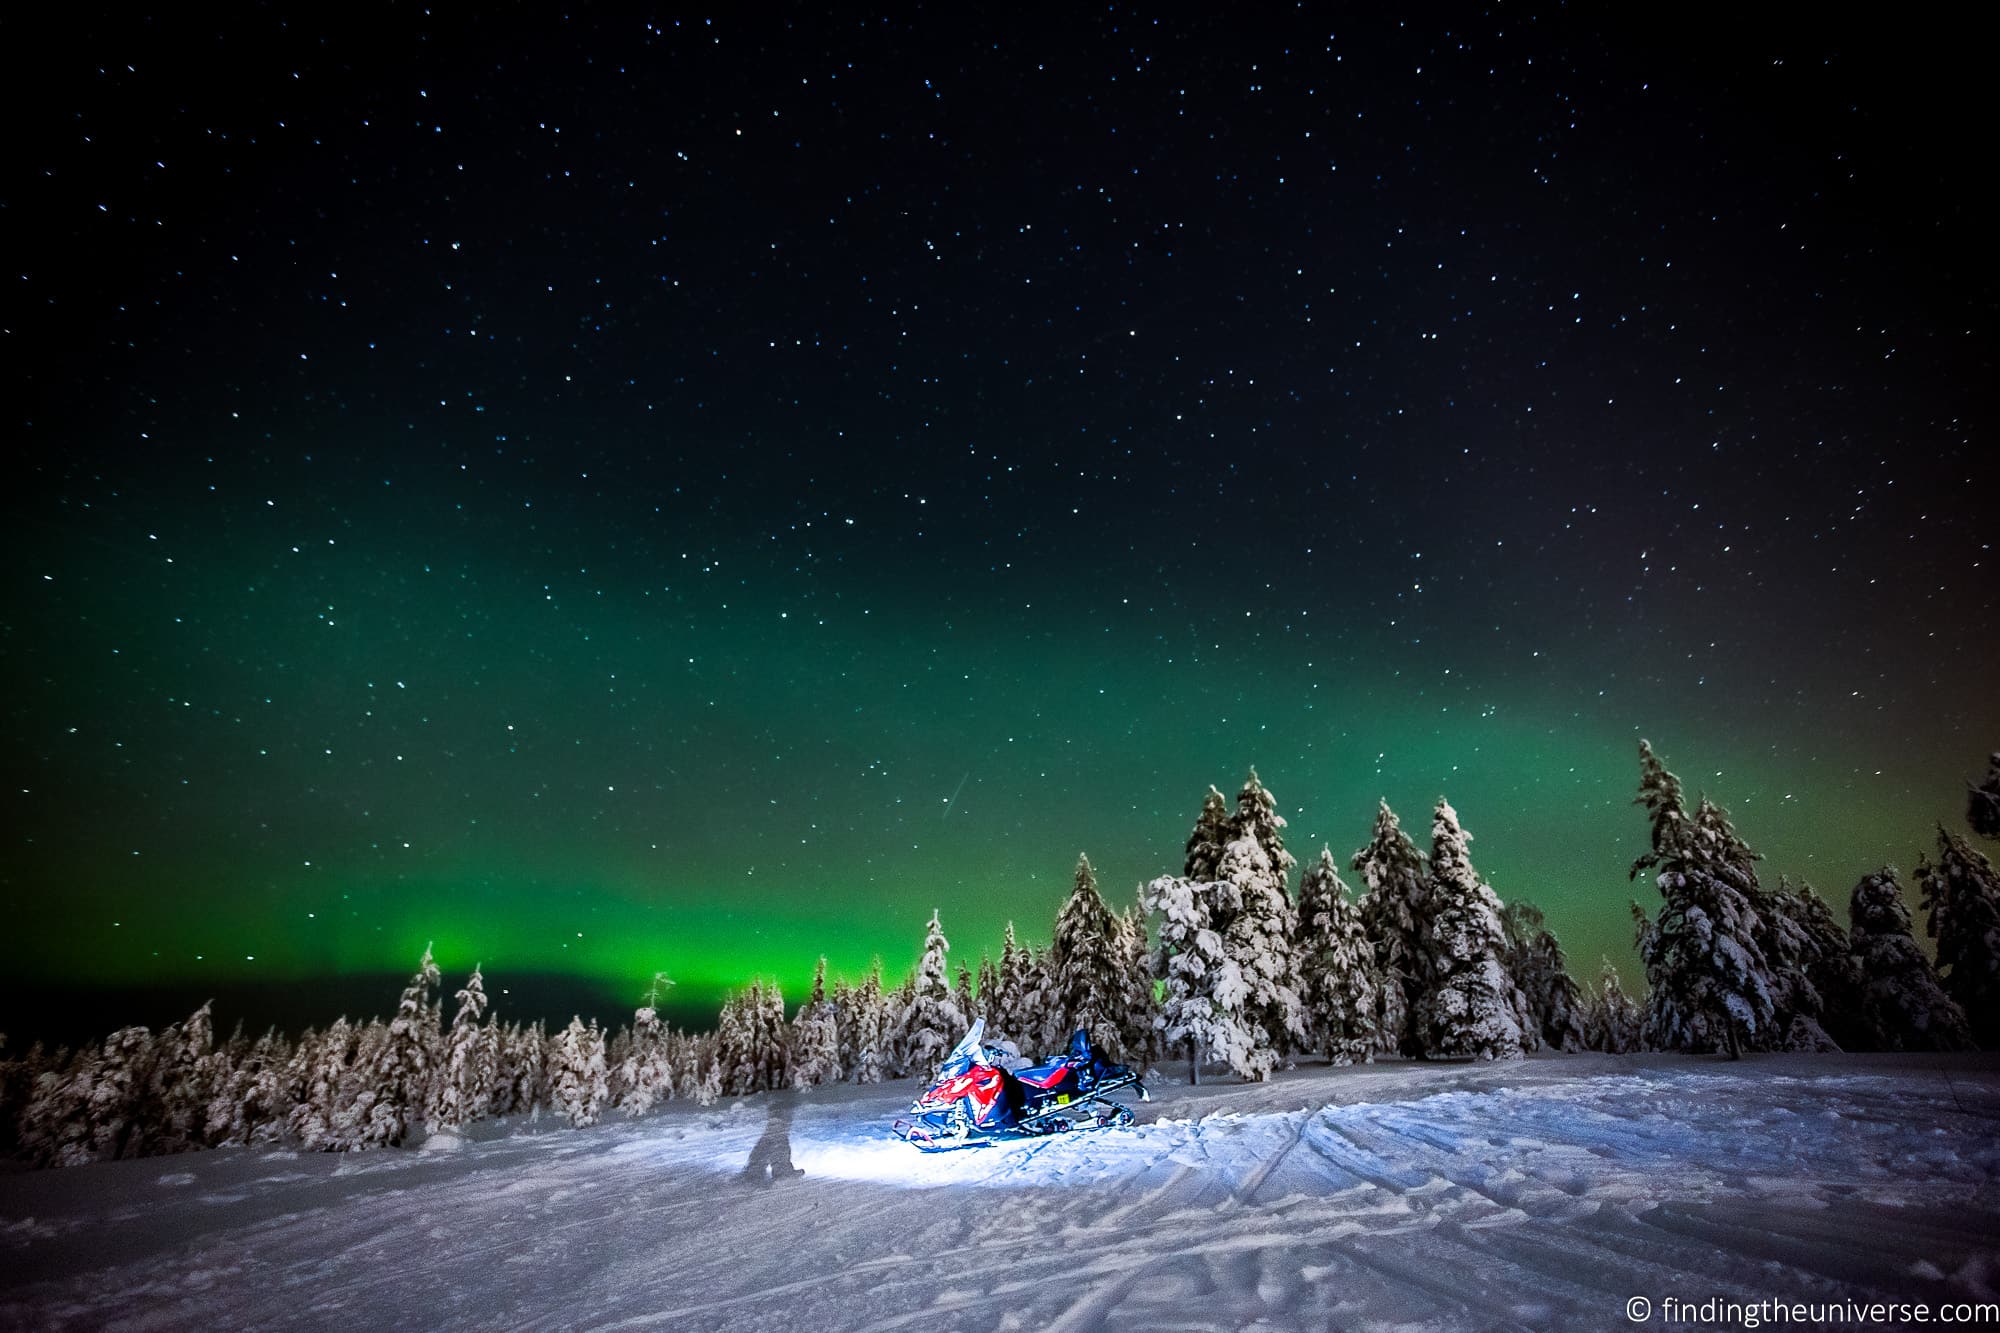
x,y
688,490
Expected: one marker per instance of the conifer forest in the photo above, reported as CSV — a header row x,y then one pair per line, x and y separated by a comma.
x,y
1235,966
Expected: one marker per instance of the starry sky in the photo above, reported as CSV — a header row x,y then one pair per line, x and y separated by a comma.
x,y
672,489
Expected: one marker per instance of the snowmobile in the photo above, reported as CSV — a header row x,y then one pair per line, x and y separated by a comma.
x,y
977,1098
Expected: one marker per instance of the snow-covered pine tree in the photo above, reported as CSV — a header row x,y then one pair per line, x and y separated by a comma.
x,y
1085,965
1902,1006
463,1091
1615,1020
1961,893
1212,832
1982,803
929,1023
1709,986
404,1070
579,1084
1468,1011
1258,939
1393,913
815,1040
1336,963
1554,1006
1202,1009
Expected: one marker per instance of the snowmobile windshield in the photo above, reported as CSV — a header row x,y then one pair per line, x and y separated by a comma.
x,y
964,1055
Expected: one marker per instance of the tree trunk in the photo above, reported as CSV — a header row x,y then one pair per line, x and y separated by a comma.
x,y
1194,1062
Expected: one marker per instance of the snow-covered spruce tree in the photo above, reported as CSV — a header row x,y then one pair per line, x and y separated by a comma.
x,y
1708,982
929,1023
1961,893
182,1078
1393,914
988,987
1258,939
617,1056
1202,1009
1002,1002
1086,965
579,1084
1812,972
895,1040
738,1056
523,1086
865,1028
1902,1006
55,1127
647,1075
121,1108
1468,1010
774,1038
1212,832
967,997
249,1105
1041,1016
1982,803
815,1039
1336,965
318,1068
1257,817
1615,1021
708,1081
1136,1022
1796,1006
1789,930
1666,811
1554,1005
463,1091
406,1065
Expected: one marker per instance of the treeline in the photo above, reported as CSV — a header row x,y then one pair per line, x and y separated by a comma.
x,y
1225,964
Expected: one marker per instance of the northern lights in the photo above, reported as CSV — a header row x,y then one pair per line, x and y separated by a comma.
x,y
610,496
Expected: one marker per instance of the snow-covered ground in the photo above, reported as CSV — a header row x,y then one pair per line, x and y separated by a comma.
x,y
1535,1195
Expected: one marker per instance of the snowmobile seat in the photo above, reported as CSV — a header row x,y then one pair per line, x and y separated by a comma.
x,y
1044,1075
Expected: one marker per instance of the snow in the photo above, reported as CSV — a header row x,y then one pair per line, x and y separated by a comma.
x,y
1399,1196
